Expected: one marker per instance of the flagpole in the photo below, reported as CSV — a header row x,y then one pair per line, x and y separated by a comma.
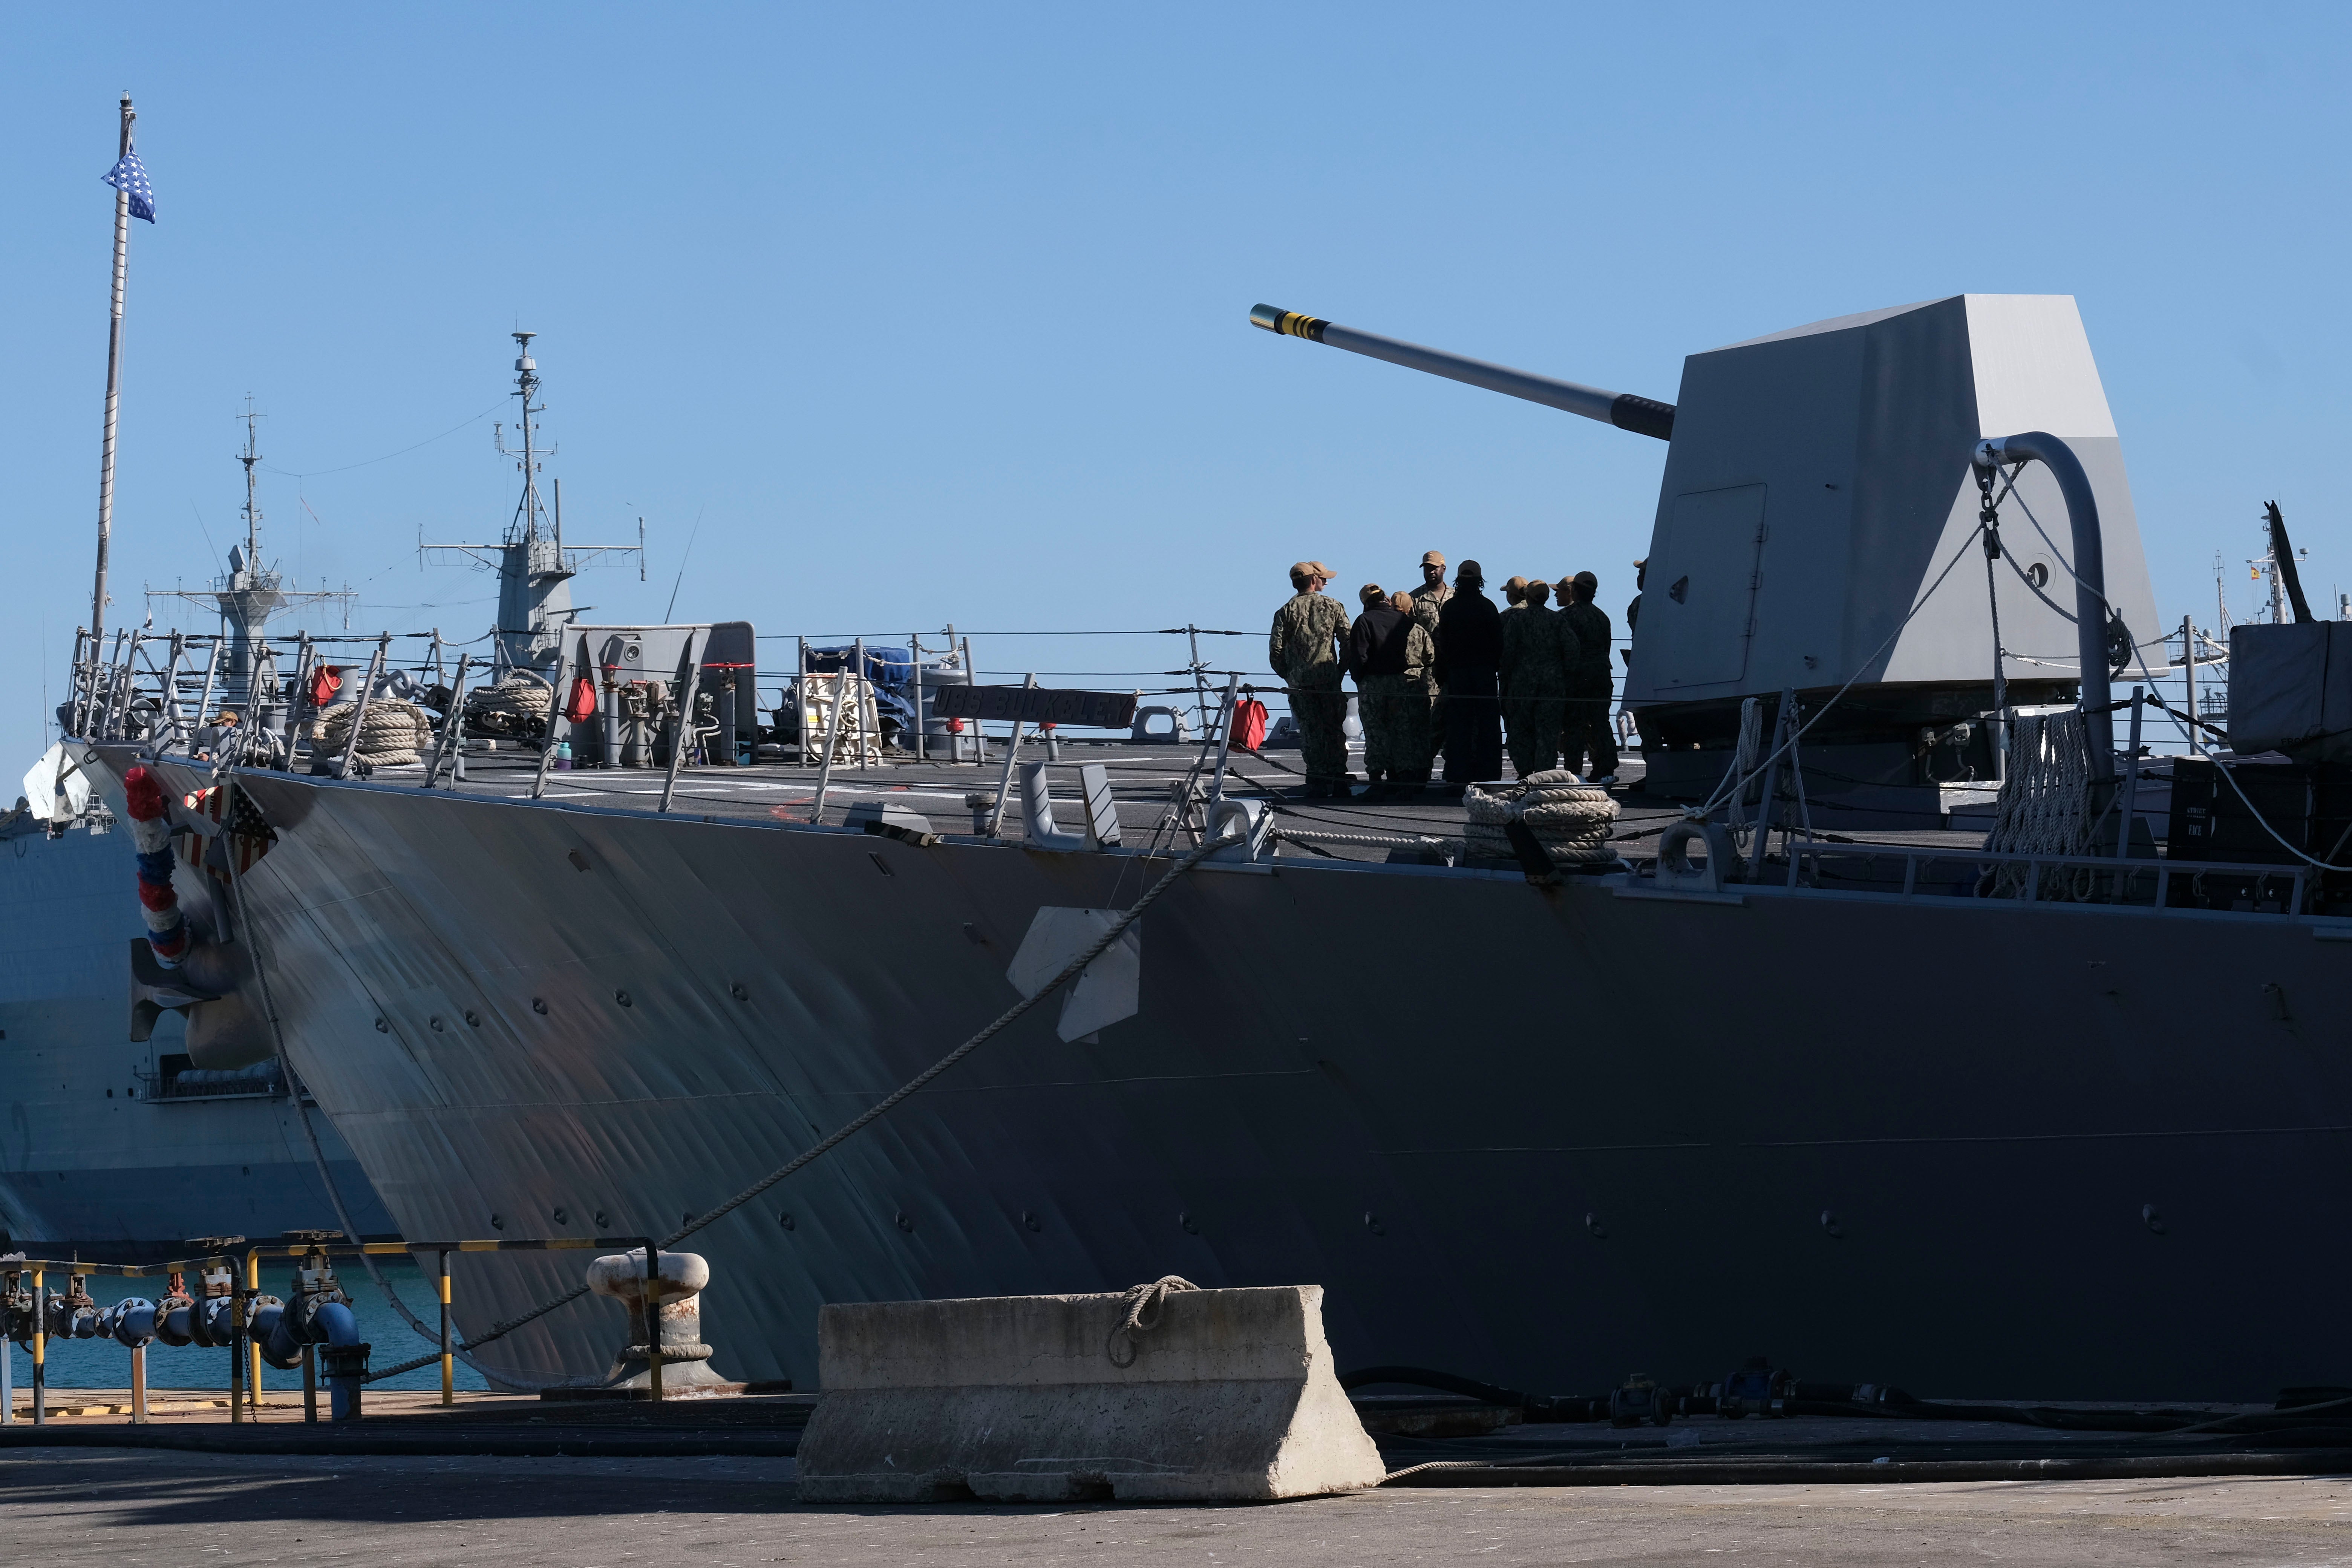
x,y
113,381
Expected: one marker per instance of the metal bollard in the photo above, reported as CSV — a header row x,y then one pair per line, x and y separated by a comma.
x,y
664,1295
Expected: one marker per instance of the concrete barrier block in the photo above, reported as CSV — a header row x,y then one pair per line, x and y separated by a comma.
x,y
1231,1396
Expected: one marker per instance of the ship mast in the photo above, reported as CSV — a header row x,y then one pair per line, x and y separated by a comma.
x,y
251,591
113,380
249,457
524,530
533,563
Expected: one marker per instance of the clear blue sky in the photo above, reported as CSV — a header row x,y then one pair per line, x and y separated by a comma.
x,y
937,313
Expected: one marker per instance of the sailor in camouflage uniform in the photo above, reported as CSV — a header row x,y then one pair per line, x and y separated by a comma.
x,y
1421,679
1390,656
1309,637
1534,679
1427,601
1584,648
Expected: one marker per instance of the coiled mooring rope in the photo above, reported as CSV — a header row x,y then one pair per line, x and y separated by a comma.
x,y
1574,822
391,733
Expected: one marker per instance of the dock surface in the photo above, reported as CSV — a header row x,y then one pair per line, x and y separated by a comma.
x,y
512,1479
122,1506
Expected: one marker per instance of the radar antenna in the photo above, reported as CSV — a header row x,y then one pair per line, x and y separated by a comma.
x,y
533,563
250,593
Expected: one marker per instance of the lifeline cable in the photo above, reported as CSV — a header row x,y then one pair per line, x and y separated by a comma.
x,y
824,1146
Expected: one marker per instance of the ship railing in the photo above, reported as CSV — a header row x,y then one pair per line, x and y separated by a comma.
x,y
245,1357
161,688
2157,885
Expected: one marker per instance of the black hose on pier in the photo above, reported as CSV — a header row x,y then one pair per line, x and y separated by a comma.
x,y
2295,1412
1537,1406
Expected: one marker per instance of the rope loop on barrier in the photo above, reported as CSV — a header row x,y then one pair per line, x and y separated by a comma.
x,y
1144,1304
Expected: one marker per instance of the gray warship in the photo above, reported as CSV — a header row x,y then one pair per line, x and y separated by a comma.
x,y
126,1147
130,1147
1796,1069
116,1149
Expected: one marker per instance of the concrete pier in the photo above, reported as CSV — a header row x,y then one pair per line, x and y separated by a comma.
x,y
122,1506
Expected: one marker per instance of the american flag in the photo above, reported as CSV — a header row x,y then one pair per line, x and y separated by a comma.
x,y
130,176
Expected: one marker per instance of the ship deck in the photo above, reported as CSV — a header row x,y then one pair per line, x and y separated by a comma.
x,y
1142,778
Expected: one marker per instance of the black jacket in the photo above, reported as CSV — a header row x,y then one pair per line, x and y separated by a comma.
x,y
1378,643
1469,633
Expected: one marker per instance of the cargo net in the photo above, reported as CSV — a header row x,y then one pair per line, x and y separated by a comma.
x,y
394,732
2043,809
1574,822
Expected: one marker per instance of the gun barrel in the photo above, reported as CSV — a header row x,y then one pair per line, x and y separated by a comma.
x,y
1625,410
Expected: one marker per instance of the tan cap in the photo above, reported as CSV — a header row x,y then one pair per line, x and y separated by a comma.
x,y
1432,558
1311,569
1536,591
1402,601
1372,594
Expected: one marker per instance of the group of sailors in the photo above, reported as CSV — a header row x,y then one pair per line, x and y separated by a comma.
x,y
1439,670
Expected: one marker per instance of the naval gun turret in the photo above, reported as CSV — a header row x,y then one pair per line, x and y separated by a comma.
x,y
1625,410
1818,484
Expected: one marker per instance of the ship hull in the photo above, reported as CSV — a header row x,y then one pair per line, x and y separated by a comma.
x,y
91,1165
1544,1137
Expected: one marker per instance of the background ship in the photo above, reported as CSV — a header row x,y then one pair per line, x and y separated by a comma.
x,y
114,1149
1540,1130
118,1147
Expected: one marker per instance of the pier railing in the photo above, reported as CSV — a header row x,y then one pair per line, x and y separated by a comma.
x,y
245,1358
